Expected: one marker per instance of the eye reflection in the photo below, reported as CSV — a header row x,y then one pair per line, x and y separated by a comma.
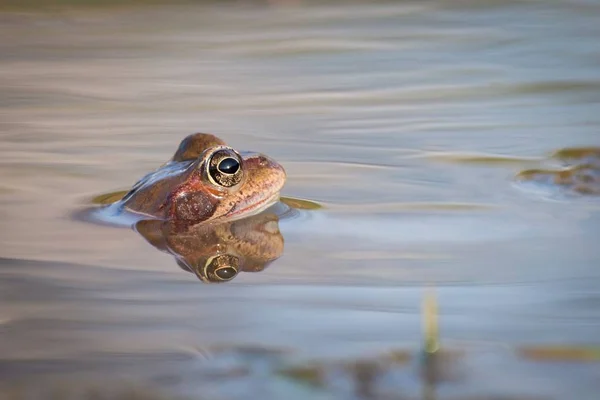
x,y
226,273
222,267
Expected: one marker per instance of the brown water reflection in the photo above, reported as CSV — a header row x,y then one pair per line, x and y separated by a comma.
x,y
217,253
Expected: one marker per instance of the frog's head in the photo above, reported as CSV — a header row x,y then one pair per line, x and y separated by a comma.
x,y
223,184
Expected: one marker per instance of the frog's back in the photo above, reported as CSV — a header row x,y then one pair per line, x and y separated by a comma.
x,y
168,170
149,194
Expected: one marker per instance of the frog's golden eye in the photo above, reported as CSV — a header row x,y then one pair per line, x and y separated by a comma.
x,y
225,168
221,268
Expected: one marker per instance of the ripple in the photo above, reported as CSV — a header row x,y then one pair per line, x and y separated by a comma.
x,y
591,154
376,208
99,210
108,198
301,204
480,158
561,353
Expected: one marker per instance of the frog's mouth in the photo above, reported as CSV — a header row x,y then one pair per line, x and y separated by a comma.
x,y
266,179
255,207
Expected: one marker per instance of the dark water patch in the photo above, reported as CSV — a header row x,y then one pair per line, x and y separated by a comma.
x,y
480,159
563,354
578,155
580,176
108,198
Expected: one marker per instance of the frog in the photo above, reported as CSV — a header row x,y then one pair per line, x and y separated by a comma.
x,y
205,181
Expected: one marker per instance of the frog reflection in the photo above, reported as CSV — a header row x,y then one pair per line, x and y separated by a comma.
x,y
216,253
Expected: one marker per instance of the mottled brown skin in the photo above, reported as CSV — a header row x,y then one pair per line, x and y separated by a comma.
x,y
193,145
182,189
248,245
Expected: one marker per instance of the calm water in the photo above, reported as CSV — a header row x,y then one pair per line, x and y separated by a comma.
x,y
406,121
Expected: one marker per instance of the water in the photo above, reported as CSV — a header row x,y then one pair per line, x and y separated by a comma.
x,y
407,121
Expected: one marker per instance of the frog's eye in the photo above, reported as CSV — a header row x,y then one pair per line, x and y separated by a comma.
x,y
225,168
221,268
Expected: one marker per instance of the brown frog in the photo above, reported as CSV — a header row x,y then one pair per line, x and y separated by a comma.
x,y
216,253
206,180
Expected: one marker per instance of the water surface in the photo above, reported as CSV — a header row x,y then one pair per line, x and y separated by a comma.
x,y
407,121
